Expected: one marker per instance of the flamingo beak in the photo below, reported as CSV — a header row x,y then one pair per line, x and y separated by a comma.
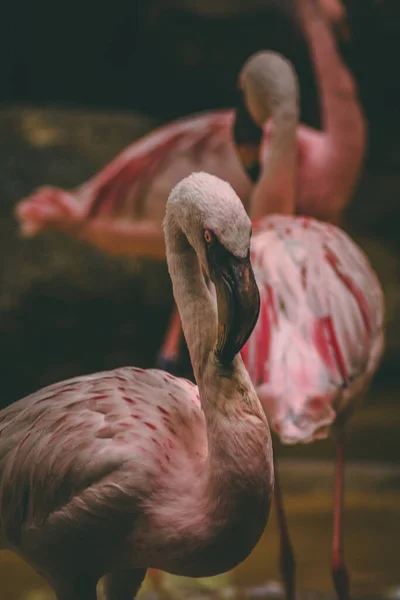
x,y
248,137
238,301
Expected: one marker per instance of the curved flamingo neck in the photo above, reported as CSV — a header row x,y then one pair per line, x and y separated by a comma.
x,y
275,190
239,441
193,299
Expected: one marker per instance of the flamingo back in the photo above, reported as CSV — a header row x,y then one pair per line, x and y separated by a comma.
x,y
94,442
320,334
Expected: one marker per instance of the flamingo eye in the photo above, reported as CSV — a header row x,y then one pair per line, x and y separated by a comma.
x,y
208,236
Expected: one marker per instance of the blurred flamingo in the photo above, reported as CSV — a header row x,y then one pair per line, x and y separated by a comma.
x,y
320,335
336,13
120,209
111,473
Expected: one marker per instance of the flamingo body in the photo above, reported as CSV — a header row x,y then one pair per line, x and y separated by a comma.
x,y
86,453
320,335
113,473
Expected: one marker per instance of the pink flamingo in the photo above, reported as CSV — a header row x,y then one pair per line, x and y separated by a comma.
x,y
111,473
320,335
120,209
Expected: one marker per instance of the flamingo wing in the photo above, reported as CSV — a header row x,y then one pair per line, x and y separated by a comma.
x,y
119,430
135,185
319,338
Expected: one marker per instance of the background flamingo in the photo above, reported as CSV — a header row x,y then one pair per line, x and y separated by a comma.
x,y
336,13
120,209
114,472
319,338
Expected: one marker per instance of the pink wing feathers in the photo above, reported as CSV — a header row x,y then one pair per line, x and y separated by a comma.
x,y
136,184
145,421
319,337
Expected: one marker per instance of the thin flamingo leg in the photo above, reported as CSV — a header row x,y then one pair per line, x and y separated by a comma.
x,y
286,557
168,358
339,572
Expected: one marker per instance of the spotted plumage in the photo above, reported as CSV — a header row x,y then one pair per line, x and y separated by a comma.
x,y
104,424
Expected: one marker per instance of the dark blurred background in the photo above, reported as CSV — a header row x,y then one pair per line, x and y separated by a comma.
x,y
171,57
95,76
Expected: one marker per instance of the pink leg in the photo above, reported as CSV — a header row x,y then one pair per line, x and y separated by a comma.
x,y
339,572
286,558
168,357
